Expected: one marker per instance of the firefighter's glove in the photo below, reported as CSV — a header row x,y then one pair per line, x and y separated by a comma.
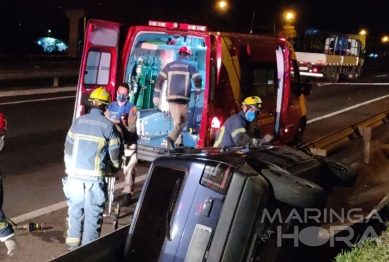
x,y
11,245
156,101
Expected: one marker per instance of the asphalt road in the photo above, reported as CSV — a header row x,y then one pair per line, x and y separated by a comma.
x,y
32,158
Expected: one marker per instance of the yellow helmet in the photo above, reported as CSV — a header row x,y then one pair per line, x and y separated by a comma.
x,y
253,101
100,96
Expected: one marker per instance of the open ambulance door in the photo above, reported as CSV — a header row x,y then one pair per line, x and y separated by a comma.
x,y
99,62
212,116
280,91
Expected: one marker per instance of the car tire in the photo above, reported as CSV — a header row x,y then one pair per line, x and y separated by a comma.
x,y
295,191
340,174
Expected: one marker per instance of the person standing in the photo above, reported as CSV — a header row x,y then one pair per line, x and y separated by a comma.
x,y
92,150
179,75
124,114
7,235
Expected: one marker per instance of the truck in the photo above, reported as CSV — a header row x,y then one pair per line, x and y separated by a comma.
x,y
330,56
233,66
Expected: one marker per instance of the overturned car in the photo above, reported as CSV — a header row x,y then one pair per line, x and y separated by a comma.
x,y
209,205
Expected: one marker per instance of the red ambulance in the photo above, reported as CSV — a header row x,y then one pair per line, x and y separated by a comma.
x,y
233,66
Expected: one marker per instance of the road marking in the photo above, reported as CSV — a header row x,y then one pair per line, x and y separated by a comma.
x,y
60,205
381,76
363,84
345,109
324,84
355,84
37,100
37,91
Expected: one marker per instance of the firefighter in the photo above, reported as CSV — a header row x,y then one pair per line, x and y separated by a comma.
x,y
7,235
92,151
234,130
124,114
178,75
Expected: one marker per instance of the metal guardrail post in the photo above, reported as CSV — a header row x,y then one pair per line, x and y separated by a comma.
x,y
334,140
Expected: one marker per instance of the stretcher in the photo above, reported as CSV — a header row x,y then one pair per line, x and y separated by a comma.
x,y
112,210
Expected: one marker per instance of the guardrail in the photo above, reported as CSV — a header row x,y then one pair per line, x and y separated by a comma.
x,y
54,73
336,139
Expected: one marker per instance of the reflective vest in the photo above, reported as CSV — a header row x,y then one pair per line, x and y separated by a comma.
x,y
179,75
92,146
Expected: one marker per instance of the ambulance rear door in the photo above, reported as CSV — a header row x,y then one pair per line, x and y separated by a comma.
x,y
99,62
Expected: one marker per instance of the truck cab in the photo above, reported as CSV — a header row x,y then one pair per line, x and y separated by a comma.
x,y
233,67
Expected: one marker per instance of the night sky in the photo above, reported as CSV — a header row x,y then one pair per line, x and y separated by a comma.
x,y
27,19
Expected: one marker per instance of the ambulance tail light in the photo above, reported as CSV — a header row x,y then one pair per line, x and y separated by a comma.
x,y
175,25
215,123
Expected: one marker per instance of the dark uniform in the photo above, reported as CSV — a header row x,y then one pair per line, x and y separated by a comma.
x,y
233,132
179,75
92,149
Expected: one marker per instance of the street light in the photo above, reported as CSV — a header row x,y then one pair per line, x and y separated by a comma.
x,y
385,39
222,4
363,32
289,16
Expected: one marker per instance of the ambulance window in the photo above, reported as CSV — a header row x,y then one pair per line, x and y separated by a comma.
x,y
104,37
97,68
264,81
259,79
150,53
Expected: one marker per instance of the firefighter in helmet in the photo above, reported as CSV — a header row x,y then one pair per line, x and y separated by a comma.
x,y
234,130
179,75
92,150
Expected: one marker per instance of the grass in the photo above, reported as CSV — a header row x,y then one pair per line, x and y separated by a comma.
x,y
370,250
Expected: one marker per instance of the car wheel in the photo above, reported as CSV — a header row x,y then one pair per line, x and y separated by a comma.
x,y
295,191
340,174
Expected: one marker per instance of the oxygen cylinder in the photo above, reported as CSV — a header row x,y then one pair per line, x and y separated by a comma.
x,y
134,89
141,84
154,75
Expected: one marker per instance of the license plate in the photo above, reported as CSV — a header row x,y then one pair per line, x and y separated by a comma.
x,y
303,68
198,244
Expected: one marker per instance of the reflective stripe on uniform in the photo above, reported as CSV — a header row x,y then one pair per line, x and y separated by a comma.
x,y
100,144
114,141
220,138
71,134
72,240
238,131
163,74
175,73
3,224
195,75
